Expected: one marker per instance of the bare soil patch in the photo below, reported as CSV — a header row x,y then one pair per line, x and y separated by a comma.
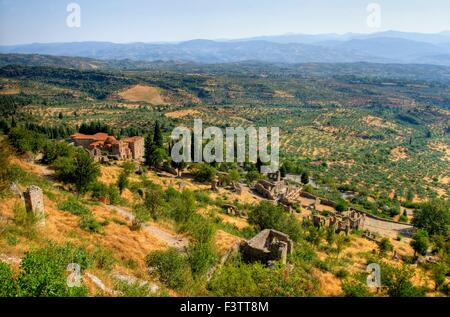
x,y
143,93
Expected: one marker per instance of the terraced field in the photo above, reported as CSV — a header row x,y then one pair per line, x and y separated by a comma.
x,y
363,127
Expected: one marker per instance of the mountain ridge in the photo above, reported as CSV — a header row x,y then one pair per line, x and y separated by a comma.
x,y
383,47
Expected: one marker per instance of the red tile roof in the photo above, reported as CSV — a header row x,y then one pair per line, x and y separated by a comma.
x,y
95,137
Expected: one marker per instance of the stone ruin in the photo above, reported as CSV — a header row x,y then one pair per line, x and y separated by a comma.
x,y
289,198
276,176
234,211
237,188
269,190
215,186
34,203
267,246
344,222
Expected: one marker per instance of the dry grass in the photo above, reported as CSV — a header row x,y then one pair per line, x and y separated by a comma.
x,y
183,113
143,93
224,241
378,122
398,153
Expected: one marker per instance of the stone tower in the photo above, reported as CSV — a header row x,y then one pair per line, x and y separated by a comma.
x,y
34,202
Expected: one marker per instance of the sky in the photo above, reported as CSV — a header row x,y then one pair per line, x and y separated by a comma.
x,y
124,21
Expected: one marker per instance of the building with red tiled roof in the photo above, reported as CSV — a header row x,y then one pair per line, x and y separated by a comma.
x,y
128,149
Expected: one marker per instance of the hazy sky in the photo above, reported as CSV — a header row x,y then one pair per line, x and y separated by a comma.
x,y
27,21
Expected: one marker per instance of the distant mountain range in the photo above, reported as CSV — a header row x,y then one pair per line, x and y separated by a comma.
x,y
383,47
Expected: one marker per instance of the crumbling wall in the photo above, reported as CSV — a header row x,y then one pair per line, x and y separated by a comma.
x,y
34,203
268,245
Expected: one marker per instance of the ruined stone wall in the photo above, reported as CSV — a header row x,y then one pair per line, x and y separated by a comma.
x,y
327,202
137,148
34,202
307,195
268,245
263,191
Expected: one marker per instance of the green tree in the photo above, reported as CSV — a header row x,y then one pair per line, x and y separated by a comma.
x,y
154,202
420,242
433,216
268,216
203,172
122,181
80,171
54,150
157,135
305,177
24,140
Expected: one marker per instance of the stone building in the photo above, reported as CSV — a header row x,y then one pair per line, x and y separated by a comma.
x,y
270,190
132,148
269,245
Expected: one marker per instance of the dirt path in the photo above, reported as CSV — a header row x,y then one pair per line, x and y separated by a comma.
x,y
170,239
386,228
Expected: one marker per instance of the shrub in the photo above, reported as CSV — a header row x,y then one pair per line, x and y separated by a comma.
x,y
103,259
355,289
74,206
398,281
5,174
341,206
8,284
385,245
122,181
257,280
203,173
182,206
133,290
90,224
253,176
268,216
141,215
305,253
439,272
201,229
201,257
202,197
100,189
420,242
342,273
172,267
154,202
43,272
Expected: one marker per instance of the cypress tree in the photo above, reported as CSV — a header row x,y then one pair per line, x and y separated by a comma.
x,y
157,136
